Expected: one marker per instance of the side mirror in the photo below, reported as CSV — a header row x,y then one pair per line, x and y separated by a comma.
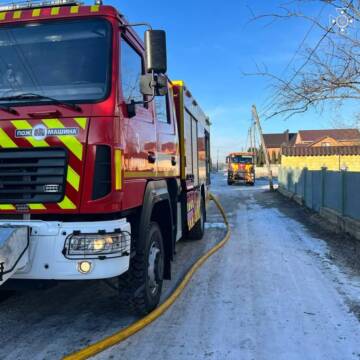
x,y
153,85
155,51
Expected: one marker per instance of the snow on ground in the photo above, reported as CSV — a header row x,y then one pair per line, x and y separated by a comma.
x,y
281,289
269,294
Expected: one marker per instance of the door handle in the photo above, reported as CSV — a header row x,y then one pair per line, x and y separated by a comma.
x,y
151,157
173,160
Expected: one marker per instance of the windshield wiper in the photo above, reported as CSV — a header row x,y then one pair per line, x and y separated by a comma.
x,y
34,96
9,109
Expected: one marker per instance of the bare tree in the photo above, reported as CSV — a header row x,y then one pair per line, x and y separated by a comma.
x,y
329,72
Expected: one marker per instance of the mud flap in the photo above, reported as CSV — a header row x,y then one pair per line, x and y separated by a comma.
x,y
14,245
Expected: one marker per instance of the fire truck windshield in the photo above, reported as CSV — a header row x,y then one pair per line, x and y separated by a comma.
x,y
65,60
239,159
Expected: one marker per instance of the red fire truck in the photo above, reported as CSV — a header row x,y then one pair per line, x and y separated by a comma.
x,y
104,162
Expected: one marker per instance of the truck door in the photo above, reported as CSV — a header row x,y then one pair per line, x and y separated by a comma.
x,y
168,163
139,135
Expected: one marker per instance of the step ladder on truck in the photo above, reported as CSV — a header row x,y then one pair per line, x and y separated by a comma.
x,y
104,161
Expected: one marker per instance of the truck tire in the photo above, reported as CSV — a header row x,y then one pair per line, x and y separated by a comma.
x,y
140,287
197,232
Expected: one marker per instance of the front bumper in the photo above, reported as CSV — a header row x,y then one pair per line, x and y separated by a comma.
x,y
46,260
242,175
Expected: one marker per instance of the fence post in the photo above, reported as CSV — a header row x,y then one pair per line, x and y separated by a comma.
x,y
323,174
343,191
305,172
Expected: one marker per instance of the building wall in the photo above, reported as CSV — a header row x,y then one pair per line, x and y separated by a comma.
x,y
331,162
333,142
328,140
298,139
271,150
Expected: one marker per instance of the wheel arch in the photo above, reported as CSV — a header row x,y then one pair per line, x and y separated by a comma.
x,y
159,200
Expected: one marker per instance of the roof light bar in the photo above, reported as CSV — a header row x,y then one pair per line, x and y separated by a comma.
x,y
36,4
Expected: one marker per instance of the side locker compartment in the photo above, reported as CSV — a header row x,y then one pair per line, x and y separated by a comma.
x,y
208,157
189,169
202,154
194,150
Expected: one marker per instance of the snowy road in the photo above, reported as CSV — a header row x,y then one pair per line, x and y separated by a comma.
x,y
271,293
282,288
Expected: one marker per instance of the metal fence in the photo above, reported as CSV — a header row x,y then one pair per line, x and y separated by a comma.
x,y
337,190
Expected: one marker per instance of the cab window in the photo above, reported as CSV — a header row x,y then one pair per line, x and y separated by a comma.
x,y
162,109
131,71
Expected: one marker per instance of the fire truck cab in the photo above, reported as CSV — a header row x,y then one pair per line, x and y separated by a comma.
x,y
104,162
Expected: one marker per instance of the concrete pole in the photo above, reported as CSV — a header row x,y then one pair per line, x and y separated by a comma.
x,y
254,142
267,160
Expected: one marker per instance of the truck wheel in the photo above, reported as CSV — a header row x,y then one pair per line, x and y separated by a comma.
x,y
197,232
140,287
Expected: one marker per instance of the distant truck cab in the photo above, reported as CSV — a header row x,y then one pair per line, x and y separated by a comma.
x,y
241,167
104,161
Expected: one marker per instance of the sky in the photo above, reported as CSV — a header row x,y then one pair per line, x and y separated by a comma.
x,y
212,44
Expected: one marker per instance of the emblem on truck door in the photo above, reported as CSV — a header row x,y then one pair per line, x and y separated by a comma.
x,y
40,132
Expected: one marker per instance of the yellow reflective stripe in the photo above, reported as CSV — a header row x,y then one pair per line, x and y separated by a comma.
x,y
17,14
118,179
25,125
74,9
5,140
94,8
2,16
67,204
55,11
81,122
7,207
135,174
73,178
71,142
36,12
37,207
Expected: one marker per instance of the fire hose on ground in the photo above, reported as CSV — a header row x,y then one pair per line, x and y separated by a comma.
x,y
130,330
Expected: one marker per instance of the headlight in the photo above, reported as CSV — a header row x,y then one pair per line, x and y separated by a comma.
x,y
114,244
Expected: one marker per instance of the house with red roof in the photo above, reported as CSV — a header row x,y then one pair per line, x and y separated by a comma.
x,y
330,137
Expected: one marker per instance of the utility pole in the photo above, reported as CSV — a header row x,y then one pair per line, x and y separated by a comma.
x,y
217,161
267,160
251,138
254,143
254,140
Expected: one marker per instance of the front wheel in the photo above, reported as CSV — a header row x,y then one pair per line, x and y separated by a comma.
x,y
140,287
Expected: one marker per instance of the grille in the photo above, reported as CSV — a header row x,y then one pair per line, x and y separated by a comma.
x,y
32,176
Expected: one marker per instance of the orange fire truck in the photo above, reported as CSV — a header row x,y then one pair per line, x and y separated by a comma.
x,y
241,167
104,162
